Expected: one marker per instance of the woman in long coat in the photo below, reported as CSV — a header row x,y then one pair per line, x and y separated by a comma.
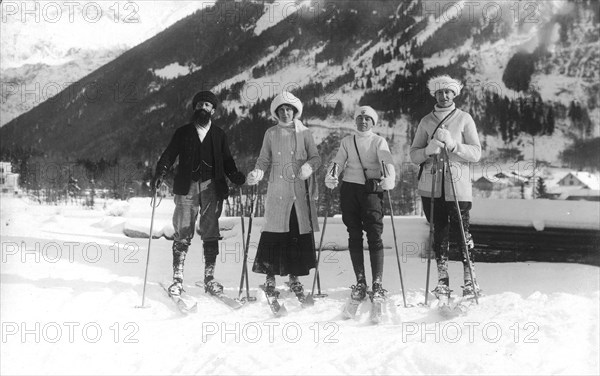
x,y
289,150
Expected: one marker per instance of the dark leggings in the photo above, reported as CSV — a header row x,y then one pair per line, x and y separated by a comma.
x,y
363,212
447,230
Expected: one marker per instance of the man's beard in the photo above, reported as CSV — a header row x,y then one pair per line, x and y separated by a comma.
x,y
201,117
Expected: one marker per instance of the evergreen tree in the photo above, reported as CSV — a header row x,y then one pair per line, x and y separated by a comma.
x,y
541,190
339,108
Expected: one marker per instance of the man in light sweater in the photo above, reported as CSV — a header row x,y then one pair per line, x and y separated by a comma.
x,y
458,135
360,156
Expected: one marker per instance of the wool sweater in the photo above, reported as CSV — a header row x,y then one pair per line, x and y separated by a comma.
x,y
468,150
372,148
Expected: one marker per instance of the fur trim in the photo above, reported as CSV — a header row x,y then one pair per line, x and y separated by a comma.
x,y
286,98
444,82
367,111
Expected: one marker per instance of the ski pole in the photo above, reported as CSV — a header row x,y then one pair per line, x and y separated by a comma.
x,y
394,231
462,229
312,235
431,224
309,299
246,246
152,203
248,297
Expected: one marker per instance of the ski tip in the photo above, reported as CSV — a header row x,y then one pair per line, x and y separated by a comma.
x,y
282,311
309,301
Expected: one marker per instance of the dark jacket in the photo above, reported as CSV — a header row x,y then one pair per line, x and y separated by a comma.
x,y
185,144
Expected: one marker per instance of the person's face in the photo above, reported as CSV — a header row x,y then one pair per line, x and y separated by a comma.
x,y
206,106
285,113
364,123
202,112
444,97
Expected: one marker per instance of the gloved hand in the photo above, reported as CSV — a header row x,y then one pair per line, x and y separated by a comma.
x,y
388,180
156,182
388,183
444,136
255,176
331,181
305,171
237,178
434,147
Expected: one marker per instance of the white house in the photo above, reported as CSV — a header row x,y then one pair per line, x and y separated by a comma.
x,y
577,185
9,181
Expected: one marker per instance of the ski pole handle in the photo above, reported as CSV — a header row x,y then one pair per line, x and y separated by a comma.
x,y
383,169
334,170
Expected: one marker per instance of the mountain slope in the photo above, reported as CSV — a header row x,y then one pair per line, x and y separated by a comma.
x,y
331,54
56,44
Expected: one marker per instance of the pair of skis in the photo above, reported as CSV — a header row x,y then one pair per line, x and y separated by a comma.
x,y
376,313
278,308
187,304
458,307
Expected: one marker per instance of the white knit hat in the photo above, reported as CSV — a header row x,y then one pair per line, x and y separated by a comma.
x,y
366,111
444,82
286,98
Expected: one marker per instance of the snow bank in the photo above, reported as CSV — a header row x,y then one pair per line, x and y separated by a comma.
x,y
539,213
69,293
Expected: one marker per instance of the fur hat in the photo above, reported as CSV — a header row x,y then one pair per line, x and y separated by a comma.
x,y
367,111
206,96
286,98
444,82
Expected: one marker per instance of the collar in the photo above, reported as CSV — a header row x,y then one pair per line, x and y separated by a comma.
x,y
368,133
286,125
443,110
205,128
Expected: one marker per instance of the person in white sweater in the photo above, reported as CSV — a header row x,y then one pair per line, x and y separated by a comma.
x,y
360,157
458,135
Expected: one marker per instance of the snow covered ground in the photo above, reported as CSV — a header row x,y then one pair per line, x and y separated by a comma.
x,y
71,281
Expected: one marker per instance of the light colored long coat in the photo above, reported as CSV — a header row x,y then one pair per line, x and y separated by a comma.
x,y
285,150
462,128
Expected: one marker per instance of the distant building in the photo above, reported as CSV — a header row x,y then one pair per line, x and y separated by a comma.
x,y
513,178
577,185
9,181
484,184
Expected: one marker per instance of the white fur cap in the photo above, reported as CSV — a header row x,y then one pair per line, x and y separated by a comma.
x,y
444,82
367,111
286,98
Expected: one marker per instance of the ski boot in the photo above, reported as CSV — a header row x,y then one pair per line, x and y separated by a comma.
x,y
270,288
378,292
358,294
469,290
442,293
212,287
298,289
176,288
378,300
359,291
272,294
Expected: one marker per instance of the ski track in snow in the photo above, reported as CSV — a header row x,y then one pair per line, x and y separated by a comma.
x,y
535,318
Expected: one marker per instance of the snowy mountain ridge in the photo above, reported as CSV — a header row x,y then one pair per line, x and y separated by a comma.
x,y
47,46
335,55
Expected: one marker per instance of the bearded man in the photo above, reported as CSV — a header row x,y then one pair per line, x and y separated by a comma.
x,y
199,187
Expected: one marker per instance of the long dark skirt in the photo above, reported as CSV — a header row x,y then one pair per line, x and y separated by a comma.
x,y
283,253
